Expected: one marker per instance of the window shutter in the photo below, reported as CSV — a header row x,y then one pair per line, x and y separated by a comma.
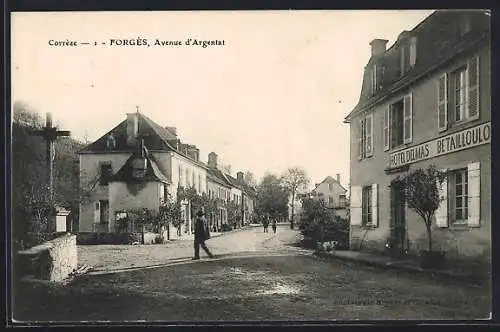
x,y
442,211
408,119
387,126
356,192
97,212
369,136
474,194
374,205
473,83
413,51
360,140
442,102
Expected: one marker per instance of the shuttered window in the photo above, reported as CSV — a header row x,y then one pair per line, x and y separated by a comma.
x,y
460,90
408,119
355,206
387,126
473,85
365,137
442,107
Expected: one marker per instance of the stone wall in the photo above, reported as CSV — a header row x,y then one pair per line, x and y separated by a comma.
x,y
54,260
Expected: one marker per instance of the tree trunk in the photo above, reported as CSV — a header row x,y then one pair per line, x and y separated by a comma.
x,y
429,235
168,231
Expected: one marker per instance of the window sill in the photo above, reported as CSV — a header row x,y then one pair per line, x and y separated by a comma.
x,y
457,126
459,226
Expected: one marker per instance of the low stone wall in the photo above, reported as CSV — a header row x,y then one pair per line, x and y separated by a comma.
x,y
91,238
54,260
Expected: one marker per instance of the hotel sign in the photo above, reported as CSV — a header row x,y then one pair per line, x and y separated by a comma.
x,y
461,140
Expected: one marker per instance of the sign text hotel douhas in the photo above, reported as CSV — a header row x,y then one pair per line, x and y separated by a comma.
x,y
461,140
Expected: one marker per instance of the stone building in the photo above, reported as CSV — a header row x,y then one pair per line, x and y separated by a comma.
x,y
136,165
425,101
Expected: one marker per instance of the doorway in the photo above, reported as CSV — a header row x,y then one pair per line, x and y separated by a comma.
x,y
398,220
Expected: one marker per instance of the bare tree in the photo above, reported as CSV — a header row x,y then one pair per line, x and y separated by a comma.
x,y
249,178
295,180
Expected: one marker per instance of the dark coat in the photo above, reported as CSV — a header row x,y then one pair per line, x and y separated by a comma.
x,y
201,229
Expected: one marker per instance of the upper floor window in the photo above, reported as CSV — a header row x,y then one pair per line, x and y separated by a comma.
x,y
105,173
199,183
342,201
398,123
194,180
187,178
181,183
459,92
330,186
365,137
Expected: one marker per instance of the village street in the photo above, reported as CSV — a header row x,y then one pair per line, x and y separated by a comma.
x,y
255,276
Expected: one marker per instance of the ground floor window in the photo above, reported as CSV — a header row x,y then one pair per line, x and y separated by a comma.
x,y
458,196
366,206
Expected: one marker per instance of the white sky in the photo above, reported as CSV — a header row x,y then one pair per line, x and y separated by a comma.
x,y
273,97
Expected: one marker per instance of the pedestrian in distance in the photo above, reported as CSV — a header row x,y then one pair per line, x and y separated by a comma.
x,y
274,226
265,223
201,234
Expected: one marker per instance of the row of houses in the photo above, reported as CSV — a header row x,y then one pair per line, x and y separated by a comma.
x,y
424,101
139,164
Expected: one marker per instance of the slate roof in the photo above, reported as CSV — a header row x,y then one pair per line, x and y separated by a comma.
x,y
329,179
438,42
153,173
217,176
155,138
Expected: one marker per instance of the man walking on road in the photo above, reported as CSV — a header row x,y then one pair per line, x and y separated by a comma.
x,y
201,234
274,226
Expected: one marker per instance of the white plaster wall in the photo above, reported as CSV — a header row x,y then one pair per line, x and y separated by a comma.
x,y
89,170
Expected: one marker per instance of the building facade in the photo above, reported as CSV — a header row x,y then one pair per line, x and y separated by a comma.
x,y
333,194
425,101
138,164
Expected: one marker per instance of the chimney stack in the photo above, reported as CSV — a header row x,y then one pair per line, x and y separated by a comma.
x,y
338,177
378,46
132,129
212,160
239,176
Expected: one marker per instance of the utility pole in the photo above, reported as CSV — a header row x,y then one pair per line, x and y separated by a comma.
x,y
49,135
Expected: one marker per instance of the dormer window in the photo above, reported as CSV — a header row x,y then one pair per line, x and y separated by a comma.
x,y
139,166
373,79
110,142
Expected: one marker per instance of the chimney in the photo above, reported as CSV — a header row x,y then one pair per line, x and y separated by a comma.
x,y
132,129
338,177
172,130
212,160
239,176
378,46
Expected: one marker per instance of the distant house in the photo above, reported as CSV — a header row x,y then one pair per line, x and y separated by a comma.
x,y
133,166
333,194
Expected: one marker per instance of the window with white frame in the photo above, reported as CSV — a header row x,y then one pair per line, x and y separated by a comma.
x,y
398,123
363,205
366,206
460,197
365,137
181,180
458,95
